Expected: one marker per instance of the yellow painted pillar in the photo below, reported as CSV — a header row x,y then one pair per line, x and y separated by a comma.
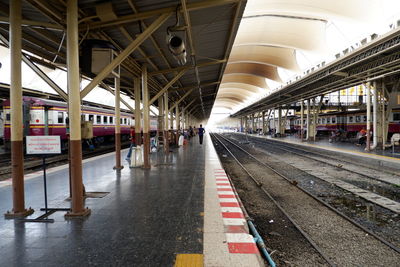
x,y
118,165
17,143
138,114
146,119
74,111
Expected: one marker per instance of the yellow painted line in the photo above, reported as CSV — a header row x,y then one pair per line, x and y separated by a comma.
x,y
189,260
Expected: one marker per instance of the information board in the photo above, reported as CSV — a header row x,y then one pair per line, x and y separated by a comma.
x,y
40,145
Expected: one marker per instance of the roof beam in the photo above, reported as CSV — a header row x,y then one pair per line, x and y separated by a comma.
x,y
166,87
27,22
39,72
151,13
203,64
108,88
181,99
124,54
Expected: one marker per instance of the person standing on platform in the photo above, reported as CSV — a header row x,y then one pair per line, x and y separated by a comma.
x,y
201,133
133,143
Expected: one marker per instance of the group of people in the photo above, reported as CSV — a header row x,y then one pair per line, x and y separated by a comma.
x,y
191,133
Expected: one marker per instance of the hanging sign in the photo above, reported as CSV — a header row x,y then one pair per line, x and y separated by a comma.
x,y
46,144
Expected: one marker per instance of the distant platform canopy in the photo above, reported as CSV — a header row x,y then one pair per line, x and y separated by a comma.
x,y
272,32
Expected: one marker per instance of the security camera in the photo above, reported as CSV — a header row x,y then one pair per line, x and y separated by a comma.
x,y
177,48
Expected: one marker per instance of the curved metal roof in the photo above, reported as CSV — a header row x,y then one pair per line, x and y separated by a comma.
x,y
273,31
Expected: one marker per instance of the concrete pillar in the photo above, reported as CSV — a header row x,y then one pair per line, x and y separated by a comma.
x,y
241,124
166,125
17,149
375,116
138,114
253,126
279,130
118,165
177,122
301,120
308,119
74,110
146,119
160,119
368,147
263,122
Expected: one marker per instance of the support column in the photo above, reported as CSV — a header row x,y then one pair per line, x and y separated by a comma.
x,y
263,122
117,125
279,130
302,120
308,120
17,149
367,148
146,119
383,116
74,111
138,114
166,126
177,122
375,117
241,124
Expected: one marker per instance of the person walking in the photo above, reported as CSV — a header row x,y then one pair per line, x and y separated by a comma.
x,y
133,143
201,133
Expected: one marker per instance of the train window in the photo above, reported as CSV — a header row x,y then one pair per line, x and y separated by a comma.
x,y
351,119
319,121
105,119
323,120
333,119
60,117
396,116
91,118
8,117
98,119
328,120
126,121
364,118
358,118
111,120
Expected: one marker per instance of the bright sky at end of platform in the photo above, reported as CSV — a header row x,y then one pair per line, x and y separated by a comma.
x,y
316,30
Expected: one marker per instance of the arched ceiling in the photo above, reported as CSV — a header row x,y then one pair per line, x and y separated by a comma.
x,y
270,34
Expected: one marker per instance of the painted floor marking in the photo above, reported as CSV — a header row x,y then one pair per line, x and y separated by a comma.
x,y
189,260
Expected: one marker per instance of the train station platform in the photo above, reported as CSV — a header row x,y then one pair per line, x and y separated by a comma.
x,y
181,212
386,157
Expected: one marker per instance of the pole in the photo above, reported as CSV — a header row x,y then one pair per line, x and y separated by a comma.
x,y
177,121
17,150
44,183
146,119
74,105
308,120
368,117
301,120
118,165
375,116
138,115
166,126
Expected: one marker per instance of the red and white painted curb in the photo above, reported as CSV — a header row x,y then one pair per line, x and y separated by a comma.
x,y
237,235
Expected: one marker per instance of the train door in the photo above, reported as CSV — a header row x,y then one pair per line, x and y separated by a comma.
x,y
341,121
26,117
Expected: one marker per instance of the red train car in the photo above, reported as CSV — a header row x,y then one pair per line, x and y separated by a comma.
x,y
49,117
350,121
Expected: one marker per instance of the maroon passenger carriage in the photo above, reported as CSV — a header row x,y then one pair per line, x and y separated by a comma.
x,y
49,117
350,121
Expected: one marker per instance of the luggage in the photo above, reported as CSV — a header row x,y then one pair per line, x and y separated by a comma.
x,y
180,141
137,157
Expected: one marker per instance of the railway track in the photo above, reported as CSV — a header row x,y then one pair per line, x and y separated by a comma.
x,y
33,163
369,172
341,240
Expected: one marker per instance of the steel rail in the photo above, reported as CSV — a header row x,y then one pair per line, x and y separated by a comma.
x,y
328,157
395,248
306,236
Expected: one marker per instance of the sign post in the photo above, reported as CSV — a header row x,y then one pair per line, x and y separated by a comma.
x,y
43,146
